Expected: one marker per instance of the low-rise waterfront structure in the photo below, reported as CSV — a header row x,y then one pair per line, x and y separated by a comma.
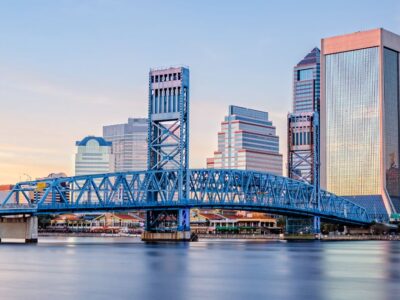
x,y
232,222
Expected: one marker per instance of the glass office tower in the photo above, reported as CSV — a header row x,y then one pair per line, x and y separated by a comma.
x,y
306,83
360,119
129,144
301,123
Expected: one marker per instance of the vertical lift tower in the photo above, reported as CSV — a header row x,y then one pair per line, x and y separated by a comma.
x,y
168,148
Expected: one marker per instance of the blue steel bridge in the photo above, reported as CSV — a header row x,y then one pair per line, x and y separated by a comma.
x,y
159,190
169,187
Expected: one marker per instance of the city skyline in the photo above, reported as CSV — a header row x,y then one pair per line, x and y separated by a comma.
x,y
54,93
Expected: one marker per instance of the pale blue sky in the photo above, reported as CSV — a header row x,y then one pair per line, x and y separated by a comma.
x,y
69,67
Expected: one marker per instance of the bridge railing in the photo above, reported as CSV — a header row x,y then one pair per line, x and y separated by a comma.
x,y
207,188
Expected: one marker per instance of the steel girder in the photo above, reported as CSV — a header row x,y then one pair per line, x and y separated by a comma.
x,y
208,188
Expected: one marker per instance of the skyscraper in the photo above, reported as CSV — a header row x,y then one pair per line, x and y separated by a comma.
x,y
93,156
306,83
247,141
302,140
360,118
129,144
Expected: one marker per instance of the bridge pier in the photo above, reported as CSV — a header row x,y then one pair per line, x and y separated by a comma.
x,y
171,225
305,225
20,227
317,225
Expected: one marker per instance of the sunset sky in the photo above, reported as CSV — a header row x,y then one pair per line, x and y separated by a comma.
x,y
69,67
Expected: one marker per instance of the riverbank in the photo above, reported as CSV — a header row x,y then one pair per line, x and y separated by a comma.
x,y
270,237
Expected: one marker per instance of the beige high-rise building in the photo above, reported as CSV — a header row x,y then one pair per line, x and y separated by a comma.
x,y
247,141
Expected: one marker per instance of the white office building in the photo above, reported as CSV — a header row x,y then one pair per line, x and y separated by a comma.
x,y
93,156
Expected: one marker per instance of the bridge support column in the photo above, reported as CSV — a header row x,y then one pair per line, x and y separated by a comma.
x,y
23,228
171,225
317,225
299,226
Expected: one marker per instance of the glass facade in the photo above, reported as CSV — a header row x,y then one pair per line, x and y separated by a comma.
x,y
306,87
306,74
352,122
306,98
391,125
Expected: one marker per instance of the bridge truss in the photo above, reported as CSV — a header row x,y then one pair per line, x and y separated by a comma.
x,y
159,190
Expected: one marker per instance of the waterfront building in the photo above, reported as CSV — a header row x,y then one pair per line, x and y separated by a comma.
x,y
302,138
129,144
360,119
233,222
95,223
247,141
118,220
93,156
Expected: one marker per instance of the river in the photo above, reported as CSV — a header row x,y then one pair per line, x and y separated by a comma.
x,y
125,268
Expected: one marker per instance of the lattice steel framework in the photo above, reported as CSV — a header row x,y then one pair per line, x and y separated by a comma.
x,y
168,136
208,188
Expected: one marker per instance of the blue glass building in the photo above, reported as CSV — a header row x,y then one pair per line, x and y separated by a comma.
x,y
306,83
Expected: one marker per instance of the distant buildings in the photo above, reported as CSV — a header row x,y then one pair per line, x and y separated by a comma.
x,y
104,223
247,141
93,156
360,119
5,189
129,144
301,139
38,193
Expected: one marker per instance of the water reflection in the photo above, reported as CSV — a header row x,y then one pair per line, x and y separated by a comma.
x,y
124,268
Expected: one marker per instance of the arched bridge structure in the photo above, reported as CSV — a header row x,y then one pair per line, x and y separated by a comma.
x,y
159,190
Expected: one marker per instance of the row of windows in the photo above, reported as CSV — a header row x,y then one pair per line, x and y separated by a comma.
x,y
165,77
302,86
301,138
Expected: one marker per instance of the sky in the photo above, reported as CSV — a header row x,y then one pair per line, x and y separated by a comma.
x,y
68,67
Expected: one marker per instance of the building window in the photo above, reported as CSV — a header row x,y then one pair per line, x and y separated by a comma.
x,y
306,74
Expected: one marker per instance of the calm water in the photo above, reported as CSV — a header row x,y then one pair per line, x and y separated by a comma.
x,y
124,268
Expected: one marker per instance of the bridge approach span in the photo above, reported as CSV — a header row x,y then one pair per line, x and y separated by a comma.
x,y
159,189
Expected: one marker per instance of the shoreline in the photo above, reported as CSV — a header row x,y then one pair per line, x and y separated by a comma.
x,y
276,237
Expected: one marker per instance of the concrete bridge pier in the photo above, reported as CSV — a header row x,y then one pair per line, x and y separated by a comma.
x,y
19,227
173,225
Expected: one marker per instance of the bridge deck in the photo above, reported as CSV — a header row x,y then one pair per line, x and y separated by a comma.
x,y
208,188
